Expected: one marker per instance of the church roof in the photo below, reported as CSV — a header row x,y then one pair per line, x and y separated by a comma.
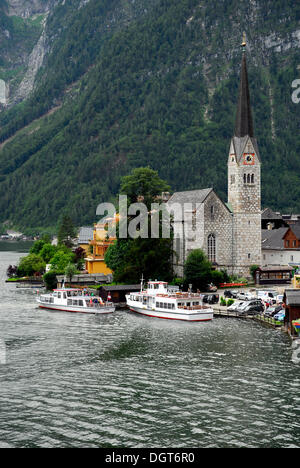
x,y
244,129
191,196
268,213
244,121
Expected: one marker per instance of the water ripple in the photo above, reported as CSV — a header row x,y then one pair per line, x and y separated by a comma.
x,y
129,381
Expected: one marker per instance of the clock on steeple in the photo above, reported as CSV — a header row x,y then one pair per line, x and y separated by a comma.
x,y
249,159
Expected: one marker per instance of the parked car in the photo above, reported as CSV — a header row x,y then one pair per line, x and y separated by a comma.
x,y
272,310
230,294
280,316
236,305
210,298
268,296
244,296
251,308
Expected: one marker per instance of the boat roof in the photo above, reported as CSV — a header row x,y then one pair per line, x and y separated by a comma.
x,y
157,282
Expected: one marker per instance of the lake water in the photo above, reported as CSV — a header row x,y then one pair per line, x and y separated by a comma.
x,y
128,381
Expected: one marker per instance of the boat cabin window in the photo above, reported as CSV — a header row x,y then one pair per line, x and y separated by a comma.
x,y
59,295
75,302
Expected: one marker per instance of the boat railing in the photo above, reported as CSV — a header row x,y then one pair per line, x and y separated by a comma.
x,y
98,305
181,295
194,307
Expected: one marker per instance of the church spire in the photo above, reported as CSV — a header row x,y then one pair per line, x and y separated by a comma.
x,y
244,122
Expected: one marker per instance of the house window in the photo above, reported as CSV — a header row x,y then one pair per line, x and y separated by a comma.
x,y
211,248
194,220
294,243
249,256
292,258
287,243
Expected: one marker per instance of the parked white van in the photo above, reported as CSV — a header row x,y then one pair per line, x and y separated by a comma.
x,y
268,295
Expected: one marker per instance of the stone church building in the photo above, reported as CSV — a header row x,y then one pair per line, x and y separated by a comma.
x,y
229,233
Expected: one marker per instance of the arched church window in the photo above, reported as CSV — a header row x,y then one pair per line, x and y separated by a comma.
x,y
211,248
248,179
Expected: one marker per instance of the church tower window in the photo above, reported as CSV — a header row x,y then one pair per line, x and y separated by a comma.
x,y
211,248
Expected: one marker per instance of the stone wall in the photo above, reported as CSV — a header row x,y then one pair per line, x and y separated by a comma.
x,y
218,221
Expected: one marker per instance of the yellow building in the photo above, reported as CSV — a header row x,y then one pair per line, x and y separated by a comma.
x,y
98,246
296,282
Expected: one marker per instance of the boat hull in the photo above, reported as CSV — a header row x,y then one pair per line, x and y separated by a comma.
x,y
77,310
188,316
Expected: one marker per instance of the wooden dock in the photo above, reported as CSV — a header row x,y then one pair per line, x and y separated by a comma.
x,y
220,311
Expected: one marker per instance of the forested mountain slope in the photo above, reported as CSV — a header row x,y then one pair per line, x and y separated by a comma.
x,y
132,83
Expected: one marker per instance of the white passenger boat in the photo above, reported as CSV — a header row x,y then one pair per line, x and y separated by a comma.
x,y
74,300
160,301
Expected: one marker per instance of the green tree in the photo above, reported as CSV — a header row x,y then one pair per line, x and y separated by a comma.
x,y
70,271
61,260
197,270
30,265
253,269
129,259
143,184
47,252
37,247
66,232
50,280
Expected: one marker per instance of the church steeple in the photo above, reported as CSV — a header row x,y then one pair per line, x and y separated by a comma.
x,y
244,121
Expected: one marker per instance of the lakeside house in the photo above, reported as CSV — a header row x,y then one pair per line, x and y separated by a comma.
x,y
281,246
103,237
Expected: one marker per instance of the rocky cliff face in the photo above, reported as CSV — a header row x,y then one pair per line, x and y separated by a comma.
x,y
27,8
23,46
131,83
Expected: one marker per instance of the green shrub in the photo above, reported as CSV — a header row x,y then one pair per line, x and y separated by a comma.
x,y
50,280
